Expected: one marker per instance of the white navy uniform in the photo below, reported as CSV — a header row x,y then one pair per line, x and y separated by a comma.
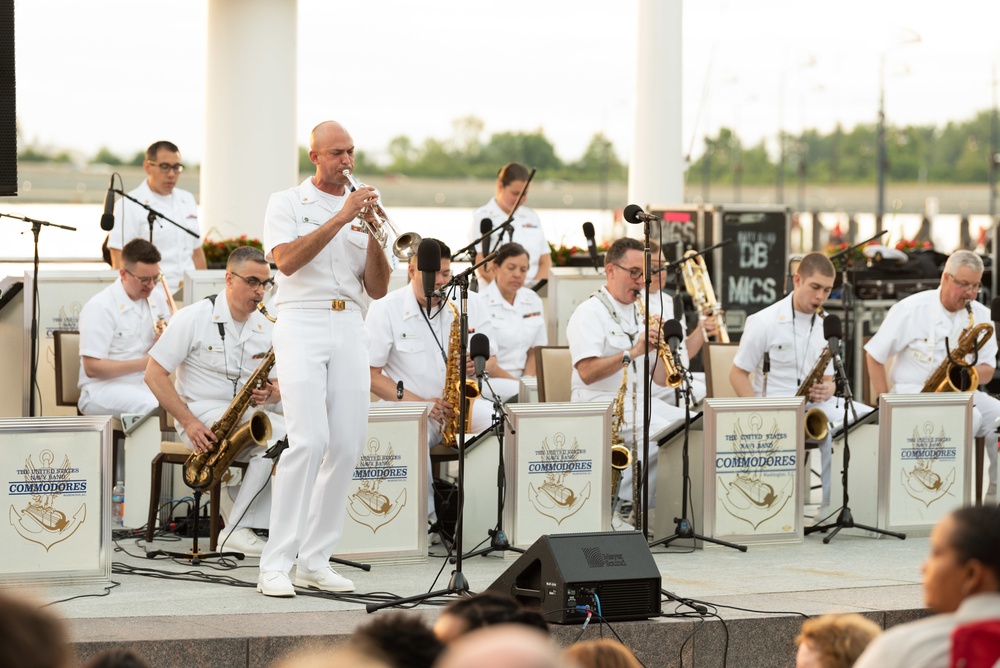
x,y
518,327
913,334
210,369
175,245
794,345
527,231
593,332
325,382
115,327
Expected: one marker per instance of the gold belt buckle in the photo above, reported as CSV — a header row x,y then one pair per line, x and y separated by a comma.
x,y
338,305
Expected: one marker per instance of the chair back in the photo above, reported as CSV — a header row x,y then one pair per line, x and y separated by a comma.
x,y
67,353
718,360
554,368
166,421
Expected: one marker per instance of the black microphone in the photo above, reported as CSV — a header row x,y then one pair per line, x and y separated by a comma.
x,y
429,264
832,332
399,390
485,225
673,332
479,350
108,217
588,231
634,214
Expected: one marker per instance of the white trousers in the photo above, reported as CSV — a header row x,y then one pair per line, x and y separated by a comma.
x,y
661,416
115,398
322,359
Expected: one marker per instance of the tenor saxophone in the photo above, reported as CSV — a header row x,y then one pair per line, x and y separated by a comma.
x,y
452,392
674,376
817,423
953,377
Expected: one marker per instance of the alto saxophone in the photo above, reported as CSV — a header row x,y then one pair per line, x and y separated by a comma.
x,y
621,458
452,392
953,376
817,423
674,376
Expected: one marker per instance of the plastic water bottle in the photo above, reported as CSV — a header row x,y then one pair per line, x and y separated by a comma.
x,y
118,505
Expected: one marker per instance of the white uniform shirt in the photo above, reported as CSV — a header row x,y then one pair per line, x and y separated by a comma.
x,y
206,365
175,245
338,269
518,327
410,350
793,344
914,330
114,327
527,231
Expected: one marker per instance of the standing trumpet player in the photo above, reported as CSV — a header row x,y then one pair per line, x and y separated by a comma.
x,y
790,333
913,336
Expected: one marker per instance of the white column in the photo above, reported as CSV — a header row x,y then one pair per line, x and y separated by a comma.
x,y
250,112
656,172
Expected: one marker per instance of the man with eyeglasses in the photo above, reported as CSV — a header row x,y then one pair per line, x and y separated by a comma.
x,y
181,251
118,326
214,346
606,334
913,335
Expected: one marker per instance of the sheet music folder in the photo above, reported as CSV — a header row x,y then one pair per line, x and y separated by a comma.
x,y
871,418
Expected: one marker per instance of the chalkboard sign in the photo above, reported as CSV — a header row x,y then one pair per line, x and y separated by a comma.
x,y
752,269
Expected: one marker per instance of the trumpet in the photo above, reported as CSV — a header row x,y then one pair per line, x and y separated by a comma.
x,y
698,284
378,222
160,323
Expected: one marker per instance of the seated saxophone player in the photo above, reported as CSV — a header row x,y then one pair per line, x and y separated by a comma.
x,y
421,351
606,336
913,336
118,326
790,332
214,346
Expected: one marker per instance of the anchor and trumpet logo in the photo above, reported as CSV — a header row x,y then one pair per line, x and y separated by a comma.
x,y
42,520
746,495
367,504
554,497
923,481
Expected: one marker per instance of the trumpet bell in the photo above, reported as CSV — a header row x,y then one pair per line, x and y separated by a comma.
x,y
405,245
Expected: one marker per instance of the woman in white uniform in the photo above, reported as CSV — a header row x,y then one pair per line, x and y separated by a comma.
x,y
516,314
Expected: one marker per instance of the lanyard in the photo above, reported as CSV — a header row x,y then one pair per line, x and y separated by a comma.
x,y
800,366
437,339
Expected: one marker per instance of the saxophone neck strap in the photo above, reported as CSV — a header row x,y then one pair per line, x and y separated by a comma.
x,y
222,327
602,297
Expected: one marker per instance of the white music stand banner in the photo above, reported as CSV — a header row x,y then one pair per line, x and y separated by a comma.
x,y
57,500
558,470
387,498
924,448
753,472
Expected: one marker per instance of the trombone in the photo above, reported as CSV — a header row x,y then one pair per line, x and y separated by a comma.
x,y
376,221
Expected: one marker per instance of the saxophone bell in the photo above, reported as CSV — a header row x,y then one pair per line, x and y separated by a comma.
x,y
379,224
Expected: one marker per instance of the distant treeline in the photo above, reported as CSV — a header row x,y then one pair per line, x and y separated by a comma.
x,y
957,153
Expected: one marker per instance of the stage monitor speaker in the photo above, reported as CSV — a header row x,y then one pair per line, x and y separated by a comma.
x,y
613,572
8,106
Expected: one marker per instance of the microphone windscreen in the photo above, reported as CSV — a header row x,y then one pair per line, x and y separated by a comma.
x,y
485,225
479,346
832,328
672,329
629,214
429,256
588,230
995,309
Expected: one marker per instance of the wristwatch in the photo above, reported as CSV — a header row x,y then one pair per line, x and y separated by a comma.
x,y
626,358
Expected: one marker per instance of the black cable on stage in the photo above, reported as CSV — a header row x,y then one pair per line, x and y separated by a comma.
x,y
107,591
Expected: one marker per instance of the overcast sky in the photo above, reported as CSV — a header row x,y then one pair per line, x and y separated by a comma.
x,y
123,73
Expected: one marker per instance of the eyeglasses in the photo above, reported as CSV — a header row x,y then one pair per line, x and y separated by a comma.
x,y
634,273
254,283
167,167
146,280
964,286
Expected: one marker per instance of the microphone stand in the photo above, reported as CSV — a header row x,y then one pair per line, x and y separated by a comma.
x,y
153,214
683,528
498,539
847,294
457,584
36,229
844,519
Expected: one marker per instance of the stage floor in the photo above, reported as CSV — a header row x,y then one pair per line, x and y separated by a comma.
x,y
181,615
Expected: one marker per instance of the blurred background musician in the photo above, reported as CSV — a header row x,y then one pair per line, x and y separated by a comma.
x,y
527,228
214,348
118,326
181,251
913,335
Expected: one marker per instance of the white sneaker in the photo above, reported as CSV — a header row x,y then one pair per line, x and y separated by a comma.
x,y
325,579
242,540
275,583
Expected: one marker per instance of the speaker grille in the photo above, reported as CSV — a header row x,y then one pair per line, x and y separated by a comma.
x,y
629,599
8,106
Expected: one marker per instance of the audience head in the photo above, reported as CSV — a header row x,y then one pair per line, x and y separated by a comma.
x,y
964,558
403,639
834,641
486,609
502,646
332,657
601,653
117,657
31,637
